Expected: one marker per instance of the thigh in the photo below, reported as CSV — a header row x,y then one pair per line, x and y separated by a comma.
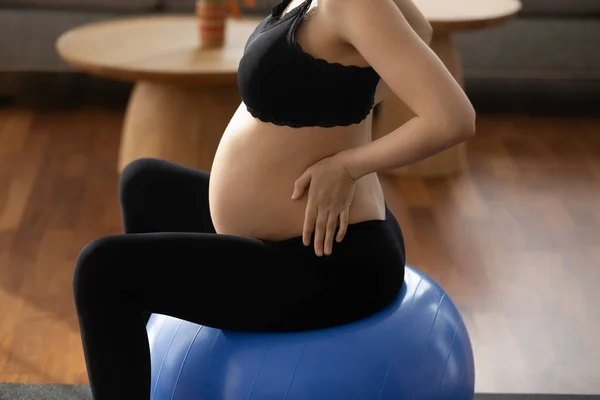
x,y
162,196
222,281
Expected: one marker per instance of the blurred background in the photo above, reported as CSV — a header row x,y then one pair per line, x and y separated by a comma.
x,y
513,236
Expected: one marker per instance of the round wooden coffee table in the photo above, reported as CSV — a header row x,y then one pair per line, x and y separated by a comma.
x,y
446,17
184,96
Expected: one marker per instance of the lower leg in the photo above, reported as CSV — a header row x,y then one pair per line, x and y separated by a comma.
x,y
107,315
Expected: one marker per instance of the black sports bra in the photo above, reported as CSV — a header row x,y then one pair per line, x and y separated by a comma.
x,y
282,84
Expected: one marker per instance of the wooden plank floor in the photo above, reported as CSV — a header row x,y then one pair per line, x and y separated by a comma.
x,y
515,242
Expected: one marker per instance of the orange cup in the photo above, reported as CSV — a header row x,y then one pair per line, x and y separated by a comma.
x,y
212,20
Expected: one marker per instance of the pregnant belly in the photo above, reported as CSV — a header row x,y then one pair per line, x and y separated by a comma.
x,y
254,171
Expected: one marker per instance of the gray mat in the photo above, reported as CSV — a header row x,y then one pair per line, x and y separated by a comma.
x,y
10,391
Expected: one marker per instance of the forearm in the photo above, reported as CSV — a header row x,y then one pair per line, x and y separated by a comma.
x,y
414,141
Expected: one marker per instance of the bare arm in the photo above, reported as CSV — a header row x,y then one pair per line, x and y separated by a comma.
x,y
444,116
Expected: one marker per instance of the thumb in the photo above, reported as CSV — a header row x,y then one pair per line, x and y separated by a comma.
x,y
300,185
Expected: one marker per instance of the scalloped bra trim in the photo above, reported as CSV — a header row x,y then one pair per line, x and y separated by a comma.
x,y
266,117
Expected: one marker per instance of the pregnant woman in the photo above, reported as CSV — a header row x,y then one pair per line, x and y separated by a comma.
x,y
290,231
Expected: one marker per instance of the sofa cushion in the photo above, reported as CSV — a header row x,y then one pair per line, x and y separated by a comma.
x,y
561,7
263,7
107,5
178,5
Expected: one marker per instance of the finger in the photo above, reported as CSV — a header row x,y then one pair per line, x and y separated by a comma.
x,y
320,227
310,218
300,185
330,233
344,217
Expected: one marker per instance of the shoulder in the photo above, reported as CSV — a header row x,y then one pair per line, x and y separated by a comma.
x,y
356,7
339,5
359,17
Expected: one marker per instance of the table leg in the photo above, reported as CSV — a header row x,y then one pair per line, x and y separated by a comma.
x,y
392,113
176,123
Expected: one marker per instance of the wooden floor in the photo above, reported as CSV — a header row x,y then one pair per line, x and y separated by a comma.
x,y
515,242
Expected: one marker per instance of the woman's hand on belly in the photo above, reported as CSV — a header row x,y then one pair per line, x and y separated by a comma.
x,y
330,191
255,168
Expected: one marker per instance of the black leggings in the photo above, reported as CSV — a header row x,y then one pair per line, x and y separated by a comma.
x,y
222,281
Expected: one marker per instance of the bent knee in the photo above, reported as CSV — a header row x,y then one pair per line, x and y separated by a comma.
x,y
95,265
137,174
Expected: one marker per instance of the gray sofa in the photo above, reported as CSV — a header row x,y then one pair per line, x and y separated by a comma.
x,y
549,40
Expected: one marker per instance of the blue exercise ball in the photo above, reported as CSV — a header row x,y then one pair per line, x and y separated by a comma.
x,y
416,348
